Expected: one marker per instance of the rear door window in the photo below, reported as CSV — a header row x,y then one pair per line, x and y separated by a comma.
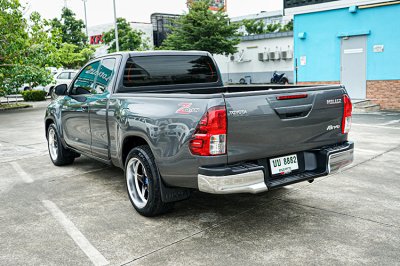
x,y
105,75
169,70
84,83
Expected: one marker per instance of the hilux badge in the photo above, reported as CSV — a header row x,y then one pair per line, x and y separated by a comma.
x,y
334,101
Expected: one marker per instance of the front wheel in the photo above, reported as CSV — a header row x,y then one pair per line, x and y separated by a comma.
x,y
58,154
285,81
143,182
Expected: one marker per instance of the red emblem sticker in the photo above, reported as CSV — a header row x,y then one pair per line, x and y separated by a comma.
x,y
186,108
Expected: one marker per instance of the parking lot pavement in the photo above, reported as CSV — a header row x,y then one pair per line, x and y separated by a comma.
x,y
81,215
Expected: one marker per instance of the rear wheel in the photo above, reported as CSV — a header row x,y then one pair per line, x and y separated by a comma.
x,y
58,154
143,182
285,81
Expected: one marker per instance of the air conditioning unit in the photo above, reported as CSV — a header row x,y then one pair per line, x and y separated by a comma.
x,y
263,57
273,55
239,57
287,55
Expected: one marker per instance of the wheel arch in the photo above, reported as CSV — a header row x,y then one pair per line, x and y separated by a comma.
x,y
129,143
48,122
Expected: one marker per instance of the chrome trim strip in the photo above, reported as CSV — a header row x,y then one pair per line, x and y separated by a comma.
x,y
251,182
338,160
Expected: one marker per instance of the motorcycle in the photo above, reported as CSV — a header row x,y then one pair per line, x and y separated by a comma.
x,y
279,78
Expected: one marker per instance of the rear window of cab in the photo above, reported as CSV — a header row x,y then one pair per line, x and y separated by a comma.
x,y
169,70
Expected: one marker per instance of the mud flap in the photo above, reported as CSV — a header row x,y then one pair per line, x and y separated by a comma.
x,y
173,194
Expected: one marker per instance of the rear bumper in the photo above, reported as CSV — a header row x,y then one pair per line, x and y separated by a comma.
x,y
252,178
339,159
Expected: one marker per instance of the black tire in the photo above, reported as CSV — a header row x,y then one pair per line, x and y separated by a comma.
x,y
242,81
150,176
285,81
60,155
272,81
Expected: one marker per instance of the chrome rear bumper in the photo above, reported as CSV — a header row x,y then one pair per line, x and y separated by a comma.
x,y
250,178
339,160
250,182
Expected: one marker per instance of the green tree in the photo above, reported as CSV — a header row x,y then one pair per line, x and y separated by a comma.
x,y
71,28
73,50
202,29
128,38
273,27
26,49
288,26
42,43
69,58
253,26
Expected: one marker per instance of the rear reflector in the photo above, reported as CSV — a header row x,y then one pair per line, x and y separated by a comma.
x,y
209,137
347,109
291,97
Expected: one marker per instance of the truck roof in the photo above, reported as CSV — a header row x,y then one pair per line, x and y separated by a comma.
x,y
160,52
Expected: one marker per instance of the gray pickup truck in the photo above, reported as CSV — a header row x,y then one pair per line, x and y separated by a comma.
x,y
166,118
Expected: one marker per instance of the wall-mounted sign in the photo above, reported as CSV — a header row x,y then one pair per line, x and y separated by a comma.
x,y
378,48
353,51
96,39
303,60
215,5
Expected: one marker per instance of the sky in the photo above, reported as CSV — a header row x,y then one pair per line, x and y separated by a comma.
x,y
101,11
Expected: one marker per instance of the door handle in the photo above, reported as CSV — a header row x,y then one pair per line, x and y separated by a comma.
x,y
293,111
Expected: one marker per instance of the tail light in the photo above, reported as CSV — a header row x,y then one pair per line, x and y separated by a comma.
x,y
347,109
209,137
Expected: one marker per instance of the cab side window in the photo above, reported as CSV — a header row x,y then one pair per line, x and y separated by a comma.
x,y
85,82
63,75
105,76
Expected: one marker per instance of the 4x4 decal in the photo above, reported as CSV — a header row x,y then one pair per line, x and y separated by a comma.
x,y
186,108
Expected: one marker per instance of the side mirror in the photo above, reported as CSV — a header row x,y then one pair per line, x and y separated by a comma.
x,y
61,89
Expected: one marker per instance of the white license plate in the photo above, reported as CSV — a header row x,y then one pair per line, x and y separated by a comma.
x,y
284,165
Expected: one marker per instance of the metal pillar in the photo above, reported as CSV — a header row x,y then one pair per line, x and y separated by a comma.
x,y
116,28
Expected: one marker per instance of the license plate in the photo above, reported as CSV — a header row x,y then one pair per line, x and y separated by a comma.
x,y
284,165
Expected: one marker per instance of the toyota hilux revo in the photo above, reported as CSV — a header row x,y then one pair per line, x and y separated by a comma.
x,y
167,119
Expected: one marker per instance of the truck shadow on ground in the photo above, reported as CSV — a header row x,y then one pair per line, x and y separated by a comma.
x,y
208,209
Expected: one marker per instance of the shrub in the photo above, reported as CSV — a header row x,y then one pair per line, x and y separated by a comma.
x,y
34,95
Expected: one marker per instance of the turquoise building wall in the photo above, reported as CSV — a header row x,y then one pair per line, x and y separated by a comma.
x,y
322,43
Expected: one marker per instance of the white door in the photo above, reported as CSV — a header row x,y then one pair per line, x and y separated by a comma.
x,y
353,66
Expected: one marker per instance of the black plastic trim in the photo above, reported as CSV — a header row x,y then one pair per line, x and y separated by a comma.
x,y
230,169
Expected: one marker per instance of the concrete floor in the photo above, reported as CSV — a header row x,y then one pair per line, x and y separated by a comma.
x,y
81,215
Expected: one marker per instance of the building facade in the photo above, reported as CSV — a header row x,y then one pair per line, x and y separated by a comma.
x,y
258,57
355,43
162,24
96,35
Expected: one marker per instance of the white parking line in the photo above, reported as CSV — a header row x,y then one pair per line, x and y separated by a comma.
x,y
24,175
391,122
375,126
365,151
93,254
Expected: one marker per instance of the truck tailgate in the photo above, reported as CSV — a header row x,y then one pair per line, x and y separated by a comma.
x,y
264,124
